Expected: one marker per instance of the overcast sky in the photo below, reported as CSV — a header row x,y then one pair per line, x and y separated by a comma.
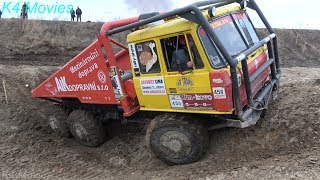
x,y
280,13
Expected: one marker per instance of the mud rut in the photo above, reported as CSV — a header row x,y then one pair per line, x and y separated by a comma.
x,y
284,144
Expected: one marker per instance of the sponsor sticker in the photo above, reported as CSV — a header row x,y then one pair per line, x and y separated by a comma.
x,y
134,56
191,101
219,93
197,101
221,22
115,78
185,84
63,86
85,61
153,86
218,81
102,77
176,101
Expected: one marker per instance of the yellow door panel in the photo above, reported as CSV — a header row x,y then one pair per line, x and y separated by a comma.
x,y
152,92
189,92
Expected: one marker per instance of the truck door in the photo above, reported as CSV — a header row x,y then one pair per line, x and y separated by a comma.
x,y
147,75
187,79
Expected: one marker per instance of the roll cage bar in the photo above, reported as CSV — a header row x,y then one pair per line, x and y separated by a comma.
x,y
193,13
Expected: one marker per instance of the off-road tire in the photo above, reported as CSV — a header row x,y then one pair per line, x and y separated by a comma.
x,y
57,118
86,129
190,137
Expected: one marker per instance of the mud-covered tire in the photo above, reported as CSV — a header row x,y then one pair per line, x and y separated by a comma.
x,y
86,129
175,139
57,118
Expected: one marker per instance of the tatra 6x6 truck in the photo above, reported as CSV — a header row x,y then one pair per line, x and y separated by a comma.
x,y
196,68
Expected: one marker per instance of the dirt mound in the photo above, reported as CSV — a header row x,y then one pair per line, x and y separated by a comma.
x,y
288,134
298,48
39,43
55,43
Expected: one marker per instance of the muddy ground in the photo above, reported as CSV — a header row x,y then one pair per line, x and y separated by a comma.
x,y
283,145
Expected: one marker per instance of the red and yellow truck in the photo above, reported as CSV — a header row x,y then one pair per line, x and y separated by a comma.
x,y
199,67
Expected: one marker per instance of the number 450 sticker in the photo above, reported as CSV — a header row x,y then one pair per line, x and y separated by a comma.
x,y
219,93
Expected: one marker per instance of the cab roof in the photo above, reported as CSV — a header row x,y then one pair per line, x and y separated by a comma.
x,y
176,25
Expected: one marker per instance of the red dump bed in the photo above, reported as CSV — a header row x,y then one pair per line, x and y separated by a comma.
x,y
94,76
86,78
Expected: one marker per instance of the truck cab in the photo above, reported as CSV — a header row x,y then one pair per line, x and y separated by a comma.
x,y
160,56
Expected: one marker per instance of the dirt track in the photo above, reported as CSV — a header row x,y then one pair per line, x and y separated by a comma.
x,y
285,142
283,145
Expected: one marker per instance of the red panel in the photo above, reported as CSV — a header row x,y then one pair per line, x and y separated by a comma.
x,y
129,87
258,83
222,91
85,77
123,60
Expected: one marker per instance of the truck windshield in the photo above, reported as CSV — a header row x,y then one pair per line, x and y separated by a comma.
x,y
229,35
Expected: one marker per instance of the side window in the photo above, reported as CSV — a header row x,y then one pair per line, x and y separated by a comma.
x,y
178,55
213,55
195,56
148,57
247,28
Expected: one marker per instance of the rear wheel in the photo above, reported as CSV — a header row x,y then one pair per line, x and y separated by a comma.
x,y
88,130
175,139
57,119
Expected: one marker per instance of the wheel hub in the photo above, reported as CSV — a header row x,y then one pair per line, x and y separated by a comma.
x,y
175,144
81,132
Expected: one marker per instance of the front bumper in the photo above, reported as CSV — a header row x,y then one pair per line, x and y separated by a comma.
x,y
253,114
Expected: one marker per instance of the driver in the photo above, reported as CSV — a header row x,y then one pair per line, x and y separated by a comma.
x,y
183,55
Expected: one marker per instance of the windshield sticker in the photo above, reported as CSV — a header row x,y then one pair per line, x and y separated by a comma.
x,y
240,16
221,22
215,60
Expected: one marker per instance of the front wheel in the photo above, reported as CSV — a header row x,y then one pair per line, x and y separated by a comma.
x,y
175,139
88,130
